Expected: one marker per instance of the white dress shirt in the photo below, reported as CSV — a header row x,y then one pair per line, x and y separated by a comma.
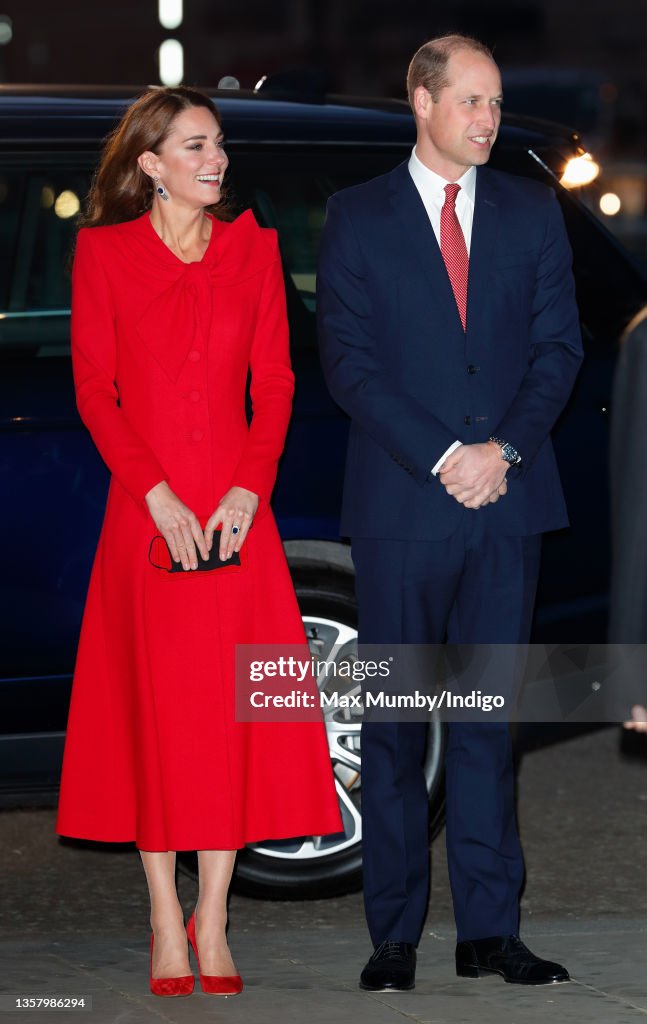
x,y
432,192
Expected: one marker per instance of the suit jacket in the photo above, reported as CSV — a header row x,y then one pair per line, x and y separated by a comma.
x,y
397,360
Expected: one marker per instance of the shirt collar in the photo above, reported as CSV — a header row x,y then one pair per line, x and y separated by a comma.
x,y
428,180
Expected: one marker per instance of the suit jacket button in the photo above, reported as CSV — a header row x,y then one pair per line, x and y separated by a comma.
x,y
467,421
194,396
194,356
197,435
473,369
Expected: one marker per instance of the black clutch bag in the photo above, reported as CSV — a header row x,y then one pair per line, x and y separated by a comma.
x,y
160,557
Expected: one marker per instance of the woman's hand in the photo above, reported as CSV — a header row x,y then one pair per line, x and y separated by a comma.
x,y
236,510
178,525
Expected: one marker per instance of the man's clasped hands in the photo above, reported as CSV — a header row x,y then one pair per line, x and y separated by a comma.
x,y
475,474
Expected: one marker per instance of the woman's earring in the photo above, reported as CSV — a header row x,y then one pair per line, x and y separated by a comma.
x,y
161,191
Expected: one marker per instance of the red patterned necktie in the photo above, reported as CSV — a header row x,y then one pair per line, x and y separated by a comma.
x,y
454,250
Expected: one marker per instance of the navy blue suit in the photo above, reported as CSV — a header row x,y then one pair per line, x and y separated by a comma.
x,y
397,360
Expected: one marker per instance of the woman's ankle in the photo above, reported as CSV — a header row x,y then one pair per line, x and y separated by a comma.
x,y
212,911
167,919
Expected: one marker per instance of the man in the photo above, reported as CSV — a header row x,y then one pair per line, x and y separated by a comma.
x,y
628,599
450,335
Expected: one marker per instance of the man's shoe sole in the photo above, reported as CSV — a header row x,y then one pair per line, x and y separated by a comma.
x,y
388,988
468,971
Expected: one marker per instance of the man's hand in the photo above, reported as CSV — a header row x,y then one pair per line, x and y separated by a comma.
x,y
498,493
638,719
474,474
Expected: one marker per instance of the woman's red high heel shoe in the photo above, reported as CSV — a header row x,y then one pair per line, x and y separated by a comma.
x,y
214,984
170,986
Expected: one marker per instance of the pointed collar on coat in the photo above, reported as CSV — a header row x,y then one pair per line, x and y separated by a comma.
x,y
178,316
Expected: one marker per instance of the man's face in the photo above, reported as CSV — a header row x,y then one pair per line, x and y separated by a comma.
x,y
459,129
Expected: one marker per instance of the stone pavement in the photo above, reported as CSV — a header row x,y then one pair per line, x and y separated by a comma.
x,y
74,921
312,977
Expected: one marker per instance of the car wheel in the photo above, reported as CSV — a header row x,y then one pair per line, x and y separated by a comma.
x,y
318,866
312,867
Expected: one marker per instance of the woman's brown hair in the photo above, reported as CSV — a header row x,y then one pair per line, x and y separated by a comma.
x,y
120,190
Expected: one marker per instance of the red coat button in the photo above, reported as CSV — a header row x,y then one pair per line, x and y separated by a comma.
x,y
194,396
194,355
197,435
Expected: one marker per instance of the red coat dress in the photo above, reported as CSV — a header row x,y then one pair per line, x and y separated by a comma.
x,y
161,352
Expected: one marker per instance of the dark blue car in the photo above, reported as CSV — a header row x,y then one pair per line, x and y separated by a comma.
x,y
287,157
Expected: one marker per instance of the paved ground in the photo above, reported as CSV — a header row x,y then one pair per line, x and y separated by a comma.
x,y
74,920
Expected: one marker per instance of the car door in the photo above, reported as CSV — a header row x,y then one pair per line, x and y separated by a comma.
x,y
53,483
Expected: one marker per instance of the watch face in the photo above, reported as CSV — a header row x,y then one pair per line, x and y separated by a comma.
x,y
510,454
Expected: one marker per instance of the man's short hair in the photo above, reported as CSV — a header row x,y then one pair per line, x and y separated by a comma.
x,y
428,66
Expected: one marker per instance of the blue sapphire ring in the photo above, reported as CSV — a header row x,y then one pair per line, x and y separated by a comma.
x,y
235,530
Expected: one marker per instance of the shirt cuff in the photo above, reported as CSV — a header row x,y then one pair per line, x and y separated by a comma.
x,y
452,448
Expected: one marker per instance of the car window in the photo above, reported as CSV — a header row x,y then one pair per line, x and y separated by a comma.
x,y
604,311
11,192
38,208
288,191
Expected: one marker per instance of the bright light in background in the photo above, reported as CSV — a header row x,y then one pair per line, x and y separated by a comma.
x,y
170,13
580,170
228,82
6,30
171,62
67,205
47,197
610,204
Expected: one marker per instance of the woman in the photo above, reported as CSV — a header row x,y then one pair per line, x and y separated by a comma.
x,y
172,307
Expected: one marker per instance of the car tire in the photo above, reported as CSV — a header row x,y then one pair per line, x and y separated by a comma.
x,y
318,867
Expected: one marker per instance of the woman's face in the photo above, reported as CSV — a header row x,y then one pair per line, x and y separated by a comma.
x,y
191,162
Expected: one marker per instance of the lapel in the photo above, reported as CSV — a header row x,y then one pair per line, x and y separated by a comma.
x,y
420,241
418,244
485,228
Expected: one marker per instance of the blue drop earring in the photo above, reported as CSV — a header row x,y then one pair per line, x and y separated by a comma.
x,y
161,191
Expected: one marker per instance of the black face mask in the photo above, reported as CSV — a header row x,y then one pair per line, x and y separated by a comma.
x,y
160,557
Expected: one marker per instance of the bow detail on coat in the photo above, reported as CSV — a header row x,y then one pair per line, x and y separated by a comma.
x,y
179,316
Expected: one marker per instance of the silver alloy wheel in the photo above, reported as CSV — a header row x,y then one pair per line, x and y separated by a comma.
x,y
334,646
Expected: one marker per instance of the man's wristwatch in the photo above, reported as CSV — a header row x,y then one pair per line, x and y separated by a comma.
x,y
508,453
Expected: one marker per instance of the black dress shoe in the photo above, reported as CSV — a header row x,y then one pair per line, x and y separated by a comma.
x,y
392,968
506,955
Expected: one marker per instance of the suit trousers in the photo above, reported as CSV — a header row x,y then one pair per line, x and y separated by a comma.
x,y
468,588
